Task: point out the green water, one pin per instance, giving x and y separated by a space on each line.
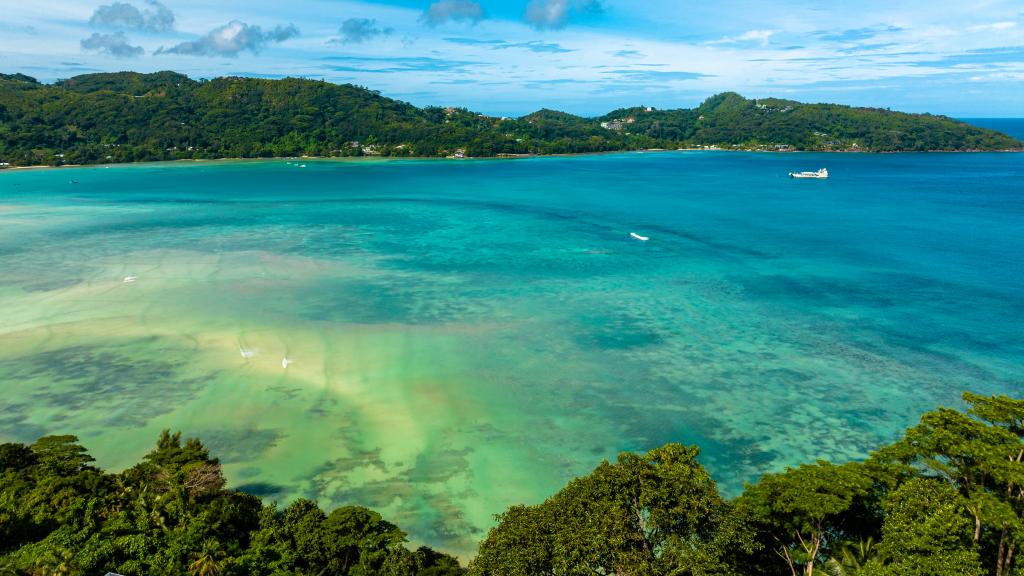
468 335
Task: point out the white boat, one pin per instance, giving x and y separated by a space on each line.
246 353
639 237
285 362
821 174
129 279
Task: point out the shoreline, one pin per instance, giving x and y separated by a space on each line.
358 159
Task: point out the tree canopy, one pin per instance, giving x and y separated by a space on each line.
128 116
170 515
945 499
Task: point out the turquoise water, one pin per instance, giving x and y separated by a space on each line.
467 335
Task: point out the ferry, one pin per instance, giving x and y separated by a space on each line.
823 173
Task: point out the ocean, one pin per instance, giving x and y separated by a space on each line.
461 336
1009 126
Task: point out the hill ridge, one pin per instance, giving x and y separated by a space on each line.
131 116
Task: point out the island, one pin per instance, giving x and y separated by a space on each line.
134 117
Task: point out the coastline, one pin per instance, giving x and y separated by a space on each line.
360 159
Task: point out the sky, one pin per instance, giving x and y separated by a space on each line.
510 57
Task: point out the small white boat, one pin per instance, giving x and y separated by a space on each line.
285 362
246 353
639 237
302 165
130 279
820 174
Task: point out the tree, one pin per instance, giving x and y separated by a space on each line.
358 540
430 562
170 515
1007 414
618 519
944 500
305 545
852 558
982 459
802 511
208 561
61 455
126 117
520 544
926 532
721 550
16 457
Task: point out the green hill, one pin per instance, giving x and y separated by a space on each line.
129 83
731 120
128 116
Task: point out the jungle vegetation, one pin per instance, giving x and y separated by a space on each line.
128 117
945 499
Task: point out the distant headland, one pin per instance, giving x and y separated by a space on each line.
134 117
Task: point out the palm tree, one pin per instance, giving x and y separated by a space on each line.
852 558
208 561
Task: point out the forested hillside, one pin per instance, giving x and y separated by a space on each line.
730 119
127 116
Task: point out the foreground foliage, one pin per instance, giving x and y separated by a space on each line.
947 499
170 515
126 117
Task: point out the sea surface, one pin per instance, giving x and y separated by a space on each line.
1009 126
467 335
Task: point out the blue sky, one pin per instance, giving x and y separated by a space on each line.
511 57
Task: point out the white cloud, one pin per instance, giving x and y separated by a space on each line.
155 18
994 27
112 45
359 30
769 51
231 39
996 76
761 37
553 14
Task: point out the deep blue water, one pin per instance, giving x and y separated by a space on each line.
1009 126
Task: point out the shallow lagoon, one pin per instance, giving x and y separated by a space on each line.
468 335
